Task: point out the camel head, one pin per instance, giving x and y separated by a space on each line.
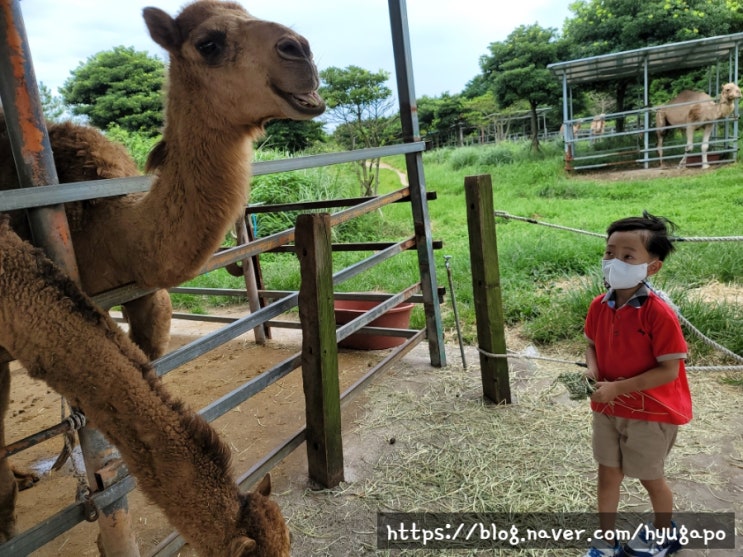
235 67
729 92
266 533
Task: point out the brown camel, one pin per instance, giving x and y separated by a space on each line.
229 74
696 110
575 128
597 127
62 338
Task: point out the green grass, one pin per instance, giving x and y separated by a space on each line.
548 276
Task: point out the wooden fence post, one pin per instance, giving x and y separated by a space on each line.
491 336
319 350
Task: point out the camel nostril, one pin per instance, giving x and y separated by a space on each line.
293 49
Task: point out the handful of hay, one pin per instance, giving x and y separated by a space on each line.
578 385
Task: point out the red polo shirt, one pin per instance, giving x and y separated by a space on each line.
631 340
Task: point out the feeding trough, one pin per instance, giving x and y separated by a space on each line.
396 318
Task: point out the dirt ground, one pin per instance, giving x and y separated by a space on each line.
342 521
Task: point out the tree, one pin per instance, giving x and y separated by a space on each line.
480 112
359 103
293 135
517 70
444 119
51 105
119 86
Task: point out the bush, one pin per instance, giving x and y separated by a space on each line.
139 145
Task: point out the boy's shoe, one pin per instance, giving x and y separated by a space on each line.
605 551
650 543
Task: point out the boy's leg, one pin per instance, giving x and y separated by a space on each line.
610 481
661 497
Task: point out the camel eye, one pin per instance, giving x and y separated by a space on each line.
211 47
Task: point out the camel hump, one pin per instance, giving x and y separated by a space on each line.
689 96
157 156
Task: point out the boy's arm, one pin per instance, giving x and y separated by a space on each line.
665 372
592 366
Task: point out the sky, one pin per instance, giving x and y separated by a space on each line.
447 37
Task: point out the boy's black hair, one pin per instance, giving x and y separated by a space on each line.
656 236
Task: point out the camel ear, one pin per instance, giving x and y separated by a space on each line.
264 486
242 546
163 29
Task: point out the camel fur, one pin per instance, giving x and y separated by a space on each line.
695 110
229 74
62 338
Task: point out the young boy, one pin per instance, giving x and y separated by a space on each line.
636 354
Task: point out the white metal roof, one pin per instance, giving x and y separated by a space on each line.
659 59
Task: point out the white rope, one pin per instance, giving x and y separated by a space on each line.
524 356
534 221
663 296
506 215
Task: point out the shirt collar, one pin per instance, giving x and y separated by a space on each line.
636 301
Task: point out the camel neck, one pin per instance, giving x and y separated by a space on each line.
200 188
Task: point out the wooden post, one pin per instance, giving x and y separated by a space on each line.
319 350
251 283
491 336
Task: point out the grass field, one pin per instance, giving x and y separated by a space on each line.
548 275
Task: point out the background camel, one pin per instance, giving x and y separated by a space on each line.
597 126
229 74
698 111
62 338
576 130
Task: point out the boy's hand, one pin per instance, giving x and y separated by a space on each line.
605 391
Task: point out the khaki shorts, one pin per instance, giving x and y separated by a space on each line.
638 447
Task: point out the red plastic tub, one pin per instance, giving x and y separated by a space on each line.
396 318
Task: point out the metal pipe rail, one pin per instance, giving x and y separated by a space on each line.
78 191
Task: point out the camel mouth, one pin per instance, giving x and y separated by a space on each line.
310 103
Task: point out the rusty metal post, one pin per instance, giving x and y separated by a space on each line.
33 157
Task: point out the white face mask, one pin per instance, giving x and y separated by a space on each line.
619 274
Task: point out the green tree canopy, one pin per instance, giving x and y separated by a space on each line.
604 26
517 70
359 103
293 135
119 86
443 118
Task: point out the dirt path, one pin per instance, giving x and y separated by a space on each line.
420 437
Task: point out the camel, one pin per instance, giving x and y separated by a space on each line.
62 338
697 111
229 74
576 130
597 126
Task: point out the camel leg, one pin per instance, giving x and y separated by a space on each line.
660 150
689 145
8 487
149 322
705 145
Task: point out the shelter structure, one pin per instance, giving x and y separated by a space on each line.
643 64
